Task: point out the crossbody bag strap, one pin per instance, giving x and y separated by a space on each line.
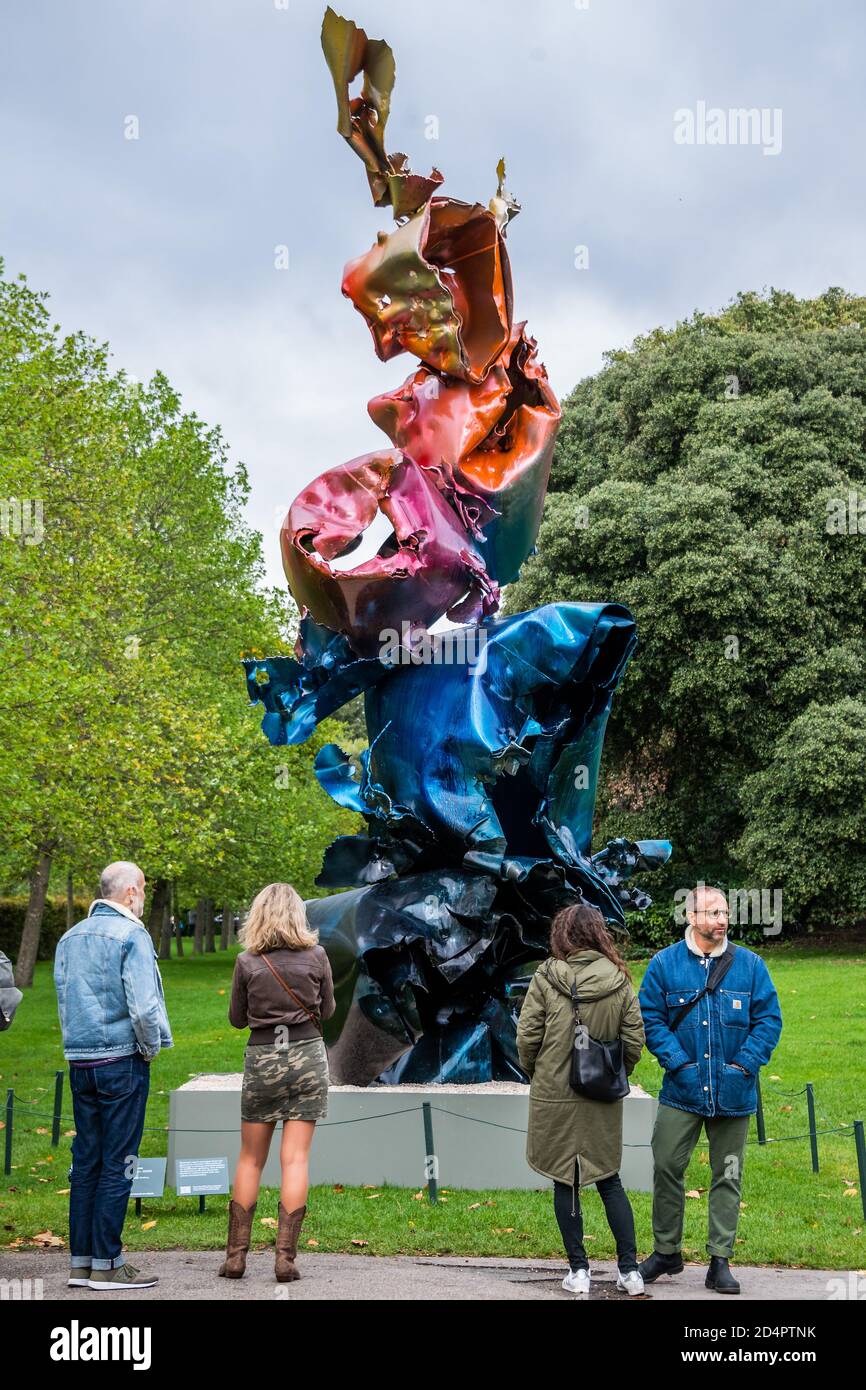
571 992
300 1003
719 970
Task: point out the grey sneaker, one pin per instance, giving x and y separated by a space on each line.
123 1277
79 1277
577 1281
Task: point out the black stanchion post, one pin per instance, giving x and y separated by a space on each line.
138 1206
759 1115
58 1106
430 1160
813 1136
7 1165
861 1160
201 1204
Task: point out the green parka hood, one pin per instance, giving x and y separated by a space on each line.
593 974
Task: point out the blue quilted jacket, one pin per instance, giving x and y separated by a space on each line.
739 1022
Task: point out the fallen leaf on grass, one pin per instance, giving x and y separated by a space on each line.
371 1196
268 1221
63 1191
695 1192
503 1230
338 1187
360 1242
46 1239
312 1242
148 1225
850 1192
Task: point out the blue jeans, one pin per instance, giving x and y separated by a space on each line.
108 1105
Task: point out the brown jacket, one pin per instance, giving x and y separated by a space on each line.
259 1003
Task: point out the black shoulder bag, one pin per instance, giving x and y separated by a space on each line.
597 1068
717 972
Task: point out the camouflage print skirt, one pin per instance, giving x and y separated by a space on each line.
285 1083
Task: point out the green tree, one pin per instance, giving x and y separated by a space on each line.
124 727
711 478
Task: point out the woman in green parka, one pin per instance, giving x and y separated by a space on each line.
573 1140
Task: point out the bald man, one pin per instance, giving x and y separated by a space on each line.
114 1023
712 1019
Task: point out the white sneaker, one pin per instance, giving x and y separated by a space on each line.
630 1283
577 1281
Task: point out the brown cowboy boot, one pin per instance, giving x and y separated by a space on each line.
238 1242
287 1244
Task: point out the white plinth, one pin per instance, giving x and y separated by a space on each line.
390 1148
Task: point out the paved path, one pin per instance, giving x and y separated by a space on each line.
190 1274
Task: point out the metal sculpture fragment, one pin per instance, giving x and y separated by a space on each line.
478 786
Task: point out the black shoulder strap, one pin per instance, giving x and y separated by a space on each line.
717 973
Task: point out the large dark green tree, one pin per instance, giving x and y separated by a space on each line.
713 479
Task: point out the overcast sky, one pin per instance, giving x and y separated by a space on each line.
165 245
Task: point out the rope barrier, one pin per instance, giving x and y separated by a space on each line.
847 1129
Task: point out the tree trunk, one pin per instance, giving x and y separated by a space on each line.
158 902
29 947
165 932
209 927
178 934
198 929
70 901
226 933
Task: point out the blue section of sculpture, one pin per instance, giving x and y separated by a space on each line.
478 789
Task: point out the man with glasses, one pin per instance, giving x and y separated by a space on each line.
712 1019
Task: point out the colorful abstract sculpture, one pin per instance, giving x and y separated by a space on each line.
478 786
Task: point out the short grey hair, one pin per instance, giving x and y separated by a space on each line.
116 878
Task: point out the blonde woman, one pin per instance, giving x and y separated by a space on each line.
281 990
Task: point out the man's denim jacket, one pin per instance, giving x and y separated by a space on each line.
109 989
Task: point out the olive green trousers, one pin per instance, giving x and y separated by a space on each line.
675 1135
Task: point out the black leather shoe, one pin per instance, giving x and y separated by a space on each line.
656 1264
719 1276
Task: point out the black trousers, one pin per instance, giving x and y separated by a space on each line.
617 1209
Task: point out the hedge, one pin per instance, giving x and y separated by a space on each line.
12 912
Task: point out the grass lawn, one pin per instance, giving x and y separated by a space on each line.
790 1216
